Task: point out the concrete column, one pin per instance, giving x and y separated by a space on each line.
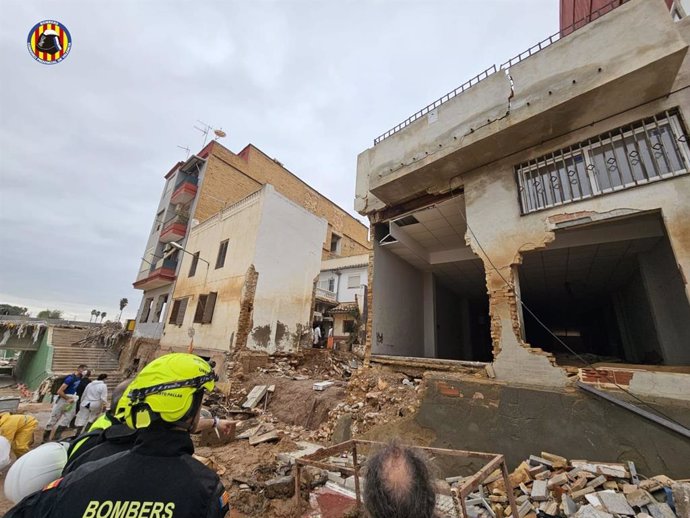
679 237
430 350
668 303
515 361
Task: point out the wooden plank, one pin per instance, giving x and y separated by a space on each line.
268 436
255 396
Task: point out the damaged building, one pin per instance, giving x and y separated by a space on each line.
544 203
250 280
233 214
341 298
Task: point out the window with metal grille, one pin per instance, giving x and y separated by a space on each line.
645 151
222 252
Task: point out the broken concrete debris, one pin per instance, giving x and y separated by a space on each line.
550 485
322 385
545 485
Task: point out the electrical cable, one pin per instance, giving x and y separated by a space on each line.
546 328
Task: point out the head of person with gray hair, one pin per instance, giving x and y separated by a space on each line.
117 393
398 484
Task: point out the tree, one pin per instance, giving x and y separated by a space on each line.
103 316
123 305
8 309
50 313
93 314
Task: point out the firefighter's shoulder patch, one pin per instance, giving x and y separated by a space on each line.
224 499
53 484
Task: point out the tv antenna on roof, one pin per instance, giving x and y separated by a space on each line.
206 128
185 149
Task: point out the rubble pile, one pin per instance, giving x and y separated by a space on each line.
107 335
375 396
334 365
550 485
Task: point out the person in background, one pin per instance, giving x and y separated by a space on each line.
64 407
158 476
18 429
85 381
93 403
398 484
316 335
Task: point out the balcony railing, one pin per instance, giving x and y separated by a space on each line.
505 66
166 264
184 191
162 273
326 295
174 231
186 178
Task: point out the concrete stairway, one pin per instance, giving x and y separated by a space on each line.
66 360
65 337
66 357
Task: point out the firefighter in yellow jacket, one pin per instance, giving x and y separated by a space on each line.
19 430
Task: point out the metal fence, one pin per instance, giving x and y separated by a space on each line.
511 62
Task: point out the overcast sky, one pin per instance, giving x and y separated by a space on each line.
84 144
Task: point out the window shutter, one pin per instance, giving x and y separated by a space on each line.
195 261
181 312
174 311
209 307
199 313
222 252
353 281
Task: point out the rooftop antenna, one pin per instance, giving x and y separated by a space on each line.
204 129
185 149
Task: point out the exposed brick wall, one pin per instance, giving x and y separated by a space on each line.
245 322
222 185
229 178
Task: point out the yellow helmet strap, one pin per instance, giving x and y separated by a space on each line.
142 416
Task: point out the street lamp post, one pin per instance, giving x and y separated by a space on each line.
179 247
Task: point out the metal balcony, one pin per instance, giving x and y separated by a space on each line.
161 274
626 57
173 231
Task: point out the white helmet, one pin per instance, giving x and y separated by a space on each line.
5 448
35 469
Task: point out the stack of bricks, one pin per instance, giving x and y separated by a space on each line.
551 486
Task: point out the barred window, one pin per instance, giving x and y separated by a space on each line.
645 151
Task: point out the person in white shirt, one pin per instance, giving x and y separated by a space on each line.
316 336
93 402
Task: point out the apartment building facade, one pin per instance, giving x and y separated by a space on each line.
541 209
341 294
248 279
202 186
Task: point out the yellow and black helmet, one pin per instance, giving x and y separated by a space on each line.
170 388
